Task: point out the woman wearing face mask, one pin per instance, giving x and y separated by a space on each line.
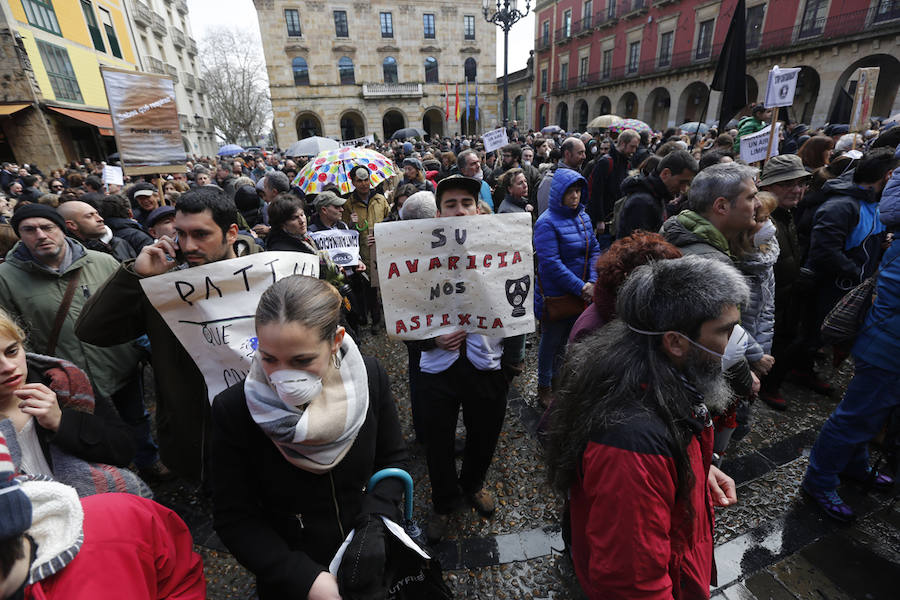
294 446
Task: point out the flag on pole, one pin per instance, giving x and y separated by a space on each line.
731 70
467 101
476 100
456 110
447 100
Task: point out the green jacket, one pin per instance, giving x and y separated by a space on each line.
119 311
32 293
693 234
746 126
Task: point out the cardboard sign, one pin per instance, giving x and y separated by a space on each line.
342 245
494 139
210 309
755 145
448 274
864 98
145 121
113 175
781 86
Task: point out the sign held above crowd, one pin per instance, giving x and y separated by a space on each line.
781 86
864 98
494 140
755 147
443 275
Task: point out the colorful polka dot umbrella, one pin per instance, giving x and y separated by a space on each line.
635 124
333 166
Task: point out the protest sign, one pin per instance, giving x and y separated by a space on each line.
145 121
494 139
754 146
448 274
864 98
210 309
342 245
113 175
368 139
781 86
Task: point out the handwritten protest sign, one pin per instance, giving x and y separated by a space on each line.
210 309
864 98
442 275
754 146
113 175
781 86
342 245
494 139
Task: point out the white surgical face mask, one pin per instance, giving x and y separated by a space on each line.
735 349
296 388
766 233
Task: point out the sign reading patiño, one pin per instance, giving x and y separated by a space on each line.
210 309
442 275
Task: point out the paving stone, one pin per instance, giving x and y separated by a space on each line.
765 587
805 581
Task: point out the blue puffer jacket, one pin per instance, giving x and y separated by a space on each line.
562 238
889 207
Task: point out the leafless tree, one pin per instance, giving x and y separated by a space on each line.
233 66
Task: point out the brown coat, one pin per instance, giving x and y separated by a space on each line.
375 211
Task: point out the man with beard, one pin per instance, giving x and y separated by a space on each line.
119 311
631 434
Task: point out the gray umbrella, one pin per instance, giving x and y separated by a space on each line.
311 146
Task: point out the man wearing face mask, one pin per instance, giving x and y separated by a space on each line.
469 165
633 421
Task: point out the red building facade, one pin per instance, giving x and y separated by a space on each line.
654 59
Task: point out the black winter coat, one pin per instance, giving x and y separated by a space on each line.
645 205
605 185
283 523
130 231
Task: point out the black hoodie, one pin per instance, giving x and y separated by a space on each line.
644 206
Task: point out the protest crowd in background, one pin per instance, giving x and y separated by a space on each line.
676 287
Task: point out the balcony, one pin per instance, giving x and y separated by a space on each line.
172 71
543 43
177 38
604 20
188 81
392 90
191 46
201 85
635 8
583 27
184 122
159 26
142 14
154 65
563 35
210 125
181 6
199 121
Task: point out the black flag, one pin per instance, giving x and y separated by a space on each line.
731 70
843 106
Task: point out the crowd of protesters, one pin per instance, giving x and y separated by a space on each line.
675 285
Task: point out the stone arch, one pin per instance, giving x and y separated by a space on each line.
656 108
806 96
562 115
353 124
691 102
392 120
308 124
888 82
433 121
627 106
581 116
602 106
752 89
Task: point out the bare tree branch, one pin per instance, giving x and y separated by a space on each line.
238 91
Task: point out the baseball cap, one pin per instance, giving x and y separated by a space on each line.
158 214
328 198
458 182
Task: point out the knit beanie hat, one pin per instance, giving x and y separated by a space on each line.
15 507
29 211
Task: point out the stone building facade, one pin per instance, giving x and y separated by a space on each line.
654 59
345 69
521 95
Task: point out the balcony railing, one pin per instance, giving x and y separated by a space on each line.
392 90
633 8
835 26
543 43
201 85
177 38
188 81
155 65
142 14
172 71
159 26
191 46
184 122
181 6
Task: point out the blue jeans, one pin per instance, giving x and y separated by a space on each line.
554 335
842 444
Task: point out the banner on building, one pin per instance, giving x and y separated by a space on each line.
365 140
210 309
754 146
342 245
448 274
864 99
145 121
781 86
494 139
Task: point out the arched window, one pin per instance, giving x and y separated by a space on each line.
301 71
520 108
345 69
431 70
471 69
389 66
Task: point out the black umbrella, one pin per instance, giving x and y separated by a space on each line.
402 134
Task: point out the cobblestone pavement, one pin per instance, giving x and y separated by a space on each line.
772 544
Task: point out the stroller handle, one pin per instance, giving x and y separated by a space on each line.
402 475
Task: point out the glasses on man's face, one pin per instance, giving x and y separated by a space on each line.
32 229
56 187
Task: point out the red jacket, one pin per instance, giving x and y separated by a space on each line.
629 539
133 548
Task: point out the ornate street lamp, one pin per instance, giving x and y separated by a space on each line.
504 14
